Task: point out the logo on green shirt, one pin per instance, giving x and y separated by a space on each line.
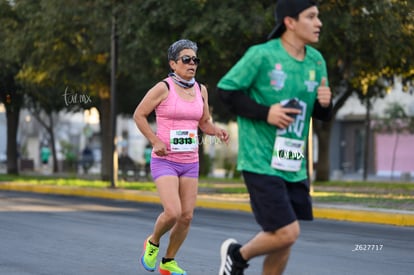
277 77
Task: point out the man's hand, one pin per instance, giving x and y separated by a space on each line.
324 94
279 116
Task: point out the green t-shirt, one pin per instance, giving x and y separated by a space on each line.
269 75
147 154
44 154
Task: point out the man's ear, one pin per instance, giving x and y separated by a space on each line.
289 23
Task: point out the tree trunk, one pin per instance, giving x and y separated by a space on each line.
50 127
323 132
106 140
394 154
366 143
13 114
114 61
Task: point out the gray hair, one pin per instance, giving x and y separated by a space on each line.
175 49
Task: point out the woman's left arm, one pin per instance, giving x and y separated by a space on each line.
206 125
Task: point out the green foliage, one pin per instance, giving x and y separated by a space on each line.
10 93
69 45
61 47
365 43
222 29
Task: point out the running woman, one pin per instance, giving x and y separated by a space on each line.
181 106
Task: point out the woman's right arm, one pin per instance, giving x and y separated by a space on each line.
147 105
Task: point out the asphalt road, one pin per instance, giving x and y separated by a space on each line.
48 234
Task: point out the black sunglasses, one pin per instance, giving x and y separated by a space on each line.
186 59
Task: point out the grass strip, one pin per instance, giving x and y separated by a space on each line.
394 195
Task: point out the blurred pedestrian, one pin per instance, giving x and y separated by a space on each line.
44 157
87 159
147 157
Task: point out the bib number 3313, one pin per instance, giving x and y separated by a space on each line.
183 140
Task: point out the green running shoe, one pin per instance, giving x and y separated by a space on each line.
149 256
171 268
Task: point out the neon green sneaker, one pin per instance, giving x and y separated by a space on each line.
149 256
171 268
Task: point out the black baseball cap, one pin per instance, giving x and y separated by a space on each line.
289 8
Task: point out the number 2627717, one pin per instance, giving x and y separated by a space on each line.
368 247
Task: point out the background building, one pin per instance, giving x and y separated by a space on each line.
390 155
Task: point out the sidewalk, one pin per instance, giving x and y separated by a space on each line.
226 202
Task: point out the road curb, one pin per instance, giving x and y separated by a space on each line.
398 218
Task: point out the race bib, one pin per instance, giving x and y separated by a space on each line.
183 140
288 154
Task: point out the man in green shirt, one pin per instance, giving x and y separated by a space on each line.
275 89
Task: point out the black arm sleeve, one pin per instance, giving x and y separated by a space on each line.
321 113
242 105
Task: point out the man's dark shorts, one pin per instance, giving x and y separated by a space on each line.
276 202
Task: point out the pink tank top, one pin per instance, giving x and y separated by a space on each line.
177 123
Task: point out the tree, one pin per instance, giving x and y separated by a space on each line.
10 93
365 43
69 46
11 97
70 52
